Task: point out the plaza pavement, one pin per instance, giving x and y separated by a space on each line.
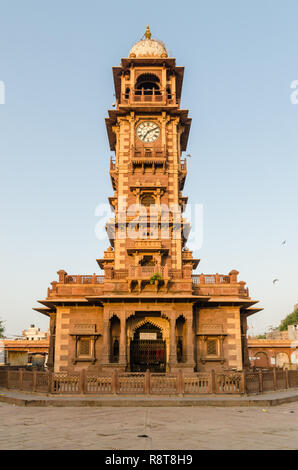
149 428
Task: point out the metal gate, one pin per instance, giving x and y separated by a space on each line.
147 349
148 354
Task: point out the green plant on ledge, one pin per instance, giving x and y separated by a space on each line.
155 277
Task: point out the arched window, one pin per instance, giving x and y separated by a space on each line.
148 260
147 82
148 200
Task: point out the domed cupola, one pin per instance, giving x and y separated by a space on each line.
148 47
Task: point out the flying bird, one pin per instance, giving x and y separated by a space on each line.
275 281
284 242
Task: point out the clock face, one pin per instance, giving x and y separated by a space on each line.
148 131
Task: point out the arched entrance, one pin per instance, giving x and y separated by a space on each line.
148 349
261 360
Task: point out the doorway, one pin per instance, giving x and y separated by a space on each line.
148 349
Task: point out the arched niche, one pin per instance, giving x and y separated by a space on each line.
114 339
180 330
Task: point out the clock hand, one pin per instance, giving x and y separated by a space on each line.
147 133
150 130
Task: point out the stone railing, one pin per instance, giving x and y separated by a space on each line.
213 284
81 279
145 272
147 96
69 284
147 383
210 279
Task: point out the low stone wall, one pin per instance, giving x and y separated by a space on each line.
149 383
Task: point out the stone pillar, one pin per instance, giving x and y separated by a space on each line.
173 346
105 357
122 344
190 342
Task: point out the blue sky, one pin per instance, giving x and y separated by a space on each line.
56 62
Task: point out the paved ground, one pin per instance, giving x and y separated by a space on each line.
167 428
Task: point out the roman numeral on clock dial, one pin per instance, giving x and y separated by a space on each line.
148 131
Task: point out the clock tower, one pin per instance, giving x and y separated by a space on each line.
149 310
148 132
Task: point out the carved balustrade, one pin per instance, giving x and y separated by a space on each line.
180 383
135 97
145 272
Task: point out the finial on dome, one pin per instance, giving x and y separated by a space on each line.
148 47
148 32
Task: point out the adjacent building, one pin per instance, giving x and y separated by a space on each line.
278 349
33 333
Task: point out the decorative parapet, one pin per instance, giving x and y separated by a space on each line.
210 279
214 284
69 284
87 279
146 245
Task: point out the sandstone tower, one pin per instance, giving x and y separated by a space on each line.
148 310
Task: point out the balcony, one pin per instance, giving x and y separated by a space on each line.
156 153
144 156
144 97
145 272
140 277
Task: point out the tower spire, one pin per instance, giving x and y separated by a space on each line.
148 32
